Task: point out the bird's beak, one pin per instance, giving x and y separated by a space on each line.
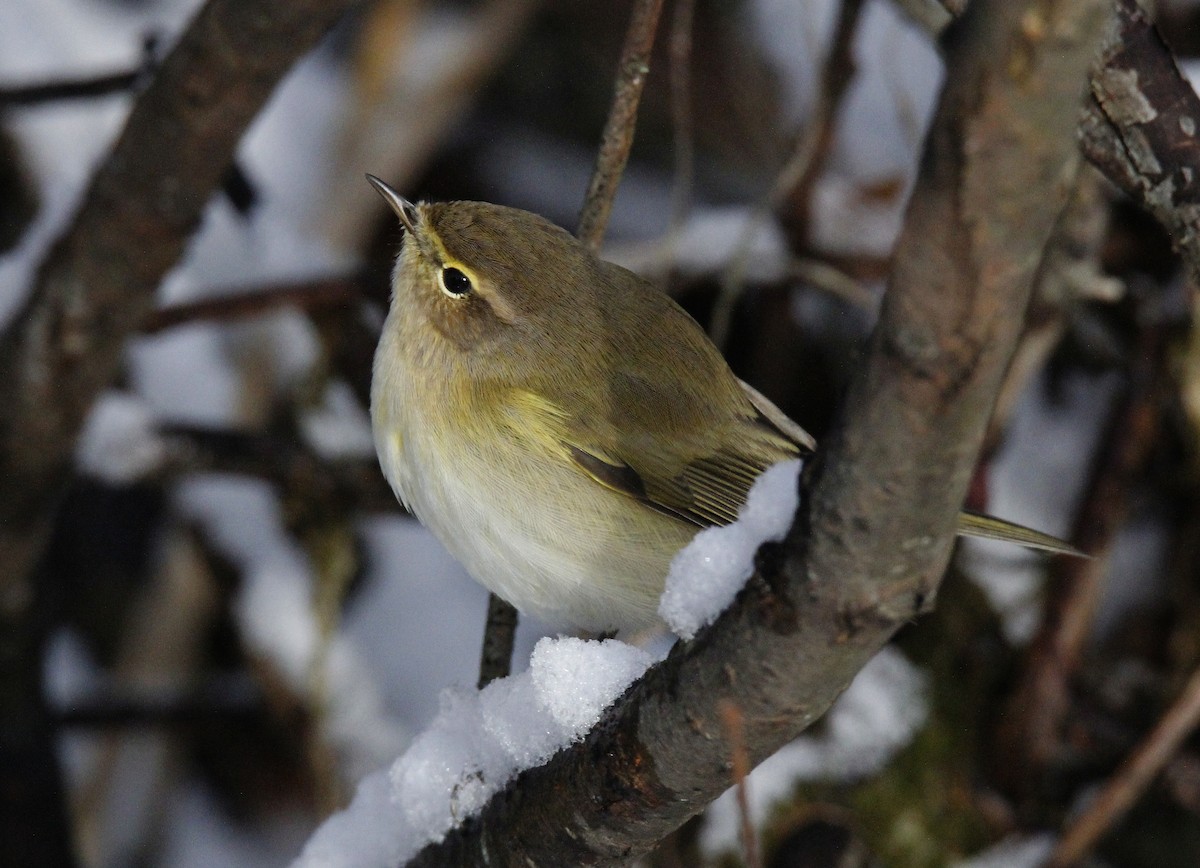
405 210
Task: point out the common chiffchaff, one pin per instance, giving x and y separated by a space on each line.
560 424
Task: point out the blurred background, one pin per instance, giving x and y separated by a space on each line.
245 622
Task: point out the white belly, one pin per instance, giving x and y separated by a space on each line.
530 527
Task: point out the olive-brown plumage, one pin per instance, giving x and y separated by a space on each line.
559 424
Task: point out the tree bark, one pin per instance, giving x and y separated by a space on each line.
64 346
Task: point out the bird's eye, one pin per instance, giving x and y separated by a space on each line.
455 283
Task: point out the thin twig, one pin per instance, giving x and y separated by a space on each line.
495 660
80 88
615 143
834 281
679 47
309 295
797 177
731 719
84 87
617 138
680 51
1030 735
1131 779
220 700
349 483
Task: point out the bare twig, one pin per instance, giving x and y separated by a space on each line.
1131 779
615 143
795 181
834 281
84 87
1030 736
80 88
330 292
680 48
495 660
219 700
617 138
731 718
872 537
349 484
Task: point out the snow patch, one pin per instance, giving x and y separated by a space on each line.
119 443
709 571
479 741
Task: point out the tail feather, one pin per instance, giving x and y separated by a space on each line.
988 527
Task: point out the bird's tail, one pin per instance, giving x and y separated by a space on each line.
987 527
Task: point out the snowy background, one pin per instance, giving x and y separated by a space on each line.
331 644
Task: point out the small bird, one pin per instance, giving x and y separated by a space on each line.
560 424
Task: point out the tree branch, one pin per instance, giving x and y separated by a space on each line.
97 282
65 345
1140 128
1131 779
870 543
1031 732
617 138
501 624
83 87
229 307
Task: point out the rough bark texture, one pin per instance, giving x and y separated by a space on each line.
64 346
871 540
1140 128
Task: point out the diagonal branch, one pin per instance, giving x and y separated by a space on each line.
617 138
1131 779
97 282
869 544
64 346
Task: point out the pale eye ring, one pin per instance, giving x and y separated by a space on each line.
454 282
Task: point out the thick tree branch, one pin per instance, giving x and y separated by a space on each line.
96 285
871 540
92 291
